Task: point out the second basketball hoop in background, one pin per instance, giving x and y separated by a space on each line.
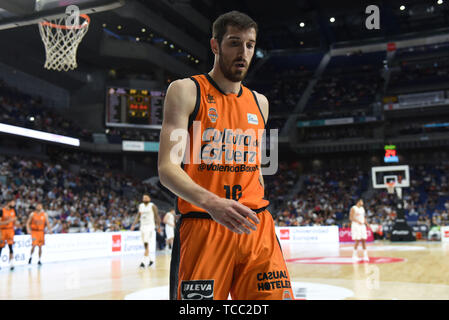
61 40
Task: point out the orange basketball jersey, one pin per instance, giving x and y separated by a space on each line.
38 221
223 155
8 214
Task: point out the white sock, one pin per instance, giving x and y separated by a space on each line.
365 253
146 259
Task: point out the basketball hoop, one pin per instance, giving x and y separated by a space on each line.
61 42
390 187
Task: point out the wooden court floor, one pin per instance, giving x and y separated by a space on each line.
419 271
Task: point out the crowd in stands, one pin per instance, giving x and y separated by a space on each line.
117 135
421 72
324 198
79 192
407 127
82 194
336 133
19 109
286 88
343 88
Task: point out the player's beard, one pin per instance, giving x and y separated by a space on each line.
226 68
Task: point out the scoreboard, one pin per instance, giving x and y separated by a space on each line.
134 108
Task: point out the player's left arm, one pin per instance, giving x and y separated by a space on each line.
157 219
28 224
47 221
264 108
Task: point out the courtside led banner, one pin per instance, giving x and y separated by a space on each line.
444 234
75 246
140 146
35 134
309 235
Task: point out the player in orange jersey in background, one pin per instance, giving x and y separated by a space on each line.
36 227
7 220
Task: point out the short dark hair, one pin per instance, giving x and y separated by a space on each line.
233 18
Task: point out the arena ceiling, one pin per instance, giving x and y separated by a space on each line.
284 25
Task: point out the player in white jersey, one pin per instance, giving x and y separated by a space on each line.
358 229
169 220
149 220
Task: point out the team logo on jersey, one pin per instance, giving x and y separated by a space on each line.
197 290
212 114
210 98
286 295
252 118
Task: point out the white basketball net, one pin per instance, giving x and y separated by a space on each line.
61 43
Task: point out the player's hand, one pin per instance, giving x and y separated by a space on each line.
233 215
132 228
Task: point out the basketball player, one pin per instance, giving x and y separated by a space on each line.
358 229
169 220
35 226
8 218
149 219
225 241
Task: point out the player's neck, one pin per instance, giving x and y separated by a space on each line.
226 85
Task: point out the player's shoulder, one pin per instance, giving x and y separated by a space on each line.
181 97
262 99
182 86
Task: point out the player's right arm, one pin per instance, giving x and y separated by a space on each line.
135 221
30 217
352 216
179 104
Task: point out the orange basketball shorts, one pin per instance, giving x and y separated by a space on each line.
210 261
37 237
7 237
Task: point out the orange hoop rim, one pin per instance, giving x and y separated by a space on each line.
60 26
390 186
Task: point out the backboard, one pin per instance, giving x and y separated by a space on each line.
382 175
19 13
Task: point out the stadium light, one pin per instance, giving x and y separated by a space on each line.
302 24
332 19
402 8
41 135
440 1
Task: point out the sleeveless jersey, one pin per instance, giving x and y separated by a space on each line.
359 214
223 153
8 214
38 221
146 215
